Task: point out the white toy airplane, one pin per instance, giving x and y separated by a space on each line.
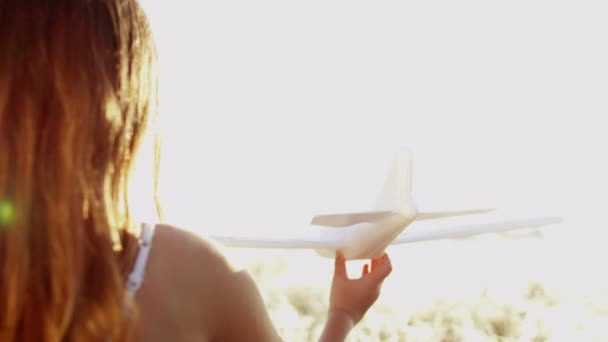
365 235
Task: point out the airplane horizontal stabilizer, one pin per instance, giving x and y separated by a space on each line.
343 220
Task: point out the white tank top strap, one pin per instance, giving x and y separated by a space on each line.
136 276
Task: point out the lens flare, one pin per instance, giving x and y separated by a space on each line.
7 213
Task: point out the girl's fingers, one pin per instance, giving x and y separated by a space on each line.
365 270
375 263
340 265
383 268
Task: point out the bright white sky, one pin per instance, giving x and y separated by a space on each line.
278 110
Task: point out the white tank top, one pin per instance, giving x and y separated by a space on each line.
136 277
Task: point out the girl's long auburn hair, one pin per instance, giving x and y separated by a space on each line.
77 87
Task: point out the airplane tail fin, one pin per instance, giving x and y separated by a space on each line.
432 215
397 192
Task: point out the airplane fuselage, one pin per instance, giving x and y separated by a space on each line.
367 240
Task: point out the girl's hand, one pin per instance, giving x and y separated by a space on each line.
354 296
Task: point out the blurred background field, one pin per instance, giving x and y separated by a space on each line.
490 288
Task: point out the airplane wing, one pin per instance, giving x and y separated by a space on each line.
432 215
306 242
337 241
343 220
423 234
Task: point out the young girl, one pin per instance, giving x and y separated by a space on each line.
77 92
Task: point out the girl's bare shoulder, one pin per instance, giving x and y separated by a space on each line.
198 284
187 283
193 250
191 259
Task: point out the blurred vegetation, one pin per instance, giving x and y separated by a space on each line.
297 296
